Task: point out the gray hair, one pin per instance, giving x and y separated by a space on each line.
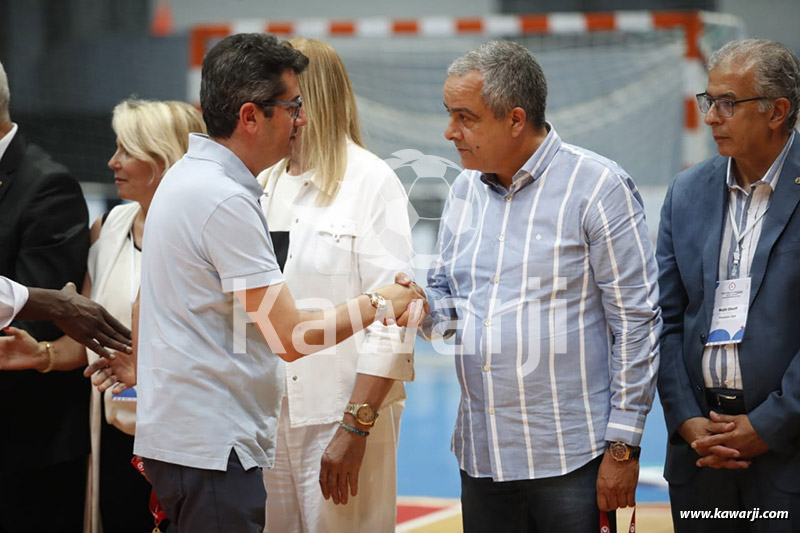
777 70
511 78
5 96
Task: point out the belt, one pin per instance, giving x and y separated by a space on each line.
726 401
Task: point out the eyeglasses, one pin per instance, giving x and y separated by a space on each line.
724 105
297 104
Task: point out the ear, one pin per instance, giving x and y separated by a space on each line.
780 113
519 120
248 117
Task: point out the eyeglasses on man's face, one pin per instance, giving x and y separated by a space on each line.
297 104
724 105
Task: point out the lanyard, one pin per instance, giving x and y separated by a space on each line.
739 237
605 526
159 514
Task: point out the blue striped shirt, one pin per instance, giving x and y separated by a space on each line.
550 288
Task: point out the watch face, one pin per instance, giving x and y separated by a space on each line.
366 414
618 451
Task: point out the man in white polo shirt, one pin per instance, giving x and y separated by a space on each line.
207 413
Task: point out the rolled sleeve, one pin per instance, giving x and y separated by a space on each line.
13 298
386 355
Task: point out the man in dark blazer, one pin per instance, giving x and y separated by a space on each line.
733 409
44 418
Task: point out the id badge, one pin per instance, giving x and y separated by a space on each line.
128 395
731 303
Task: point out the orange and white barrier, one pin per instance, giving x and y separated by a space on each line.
692 23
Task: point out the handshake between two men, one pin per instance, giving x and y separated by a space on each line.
293 333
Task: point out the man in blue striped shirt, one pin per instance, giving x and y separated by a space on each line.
547 277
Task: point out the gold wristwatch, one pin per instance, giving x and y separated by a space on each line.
379 303
363 412
622 452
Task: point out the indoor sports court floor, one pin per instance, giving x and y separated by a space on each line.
428 480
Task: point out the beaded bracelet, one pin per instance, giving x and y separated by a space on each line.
351 429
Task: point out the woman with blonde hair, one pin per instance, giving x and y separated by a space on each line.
339 221
151 137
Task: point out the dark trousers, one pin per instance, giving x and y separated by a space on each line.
124 492
733 490
210 501
43 500
562 503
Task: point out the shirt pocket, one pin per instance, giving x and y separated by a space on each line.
335 246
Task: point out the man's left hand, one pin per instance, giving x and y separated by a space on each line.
341 463
616 483
743 438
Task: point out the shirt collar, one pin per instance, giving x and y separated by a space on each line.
6 140
533 168
203 147
772 175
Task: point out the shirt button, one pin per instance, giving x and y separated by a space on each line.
485 368
305 184
496 279
290 256
294 378
502 237
491 410
509 197
266 194
487 323
297 220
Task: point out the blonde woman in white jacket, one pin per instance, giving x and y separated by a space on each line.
339 221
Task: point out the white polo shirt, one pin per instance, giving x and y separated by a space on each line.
197 398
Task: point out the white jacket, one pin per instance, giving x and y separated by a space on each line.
355 244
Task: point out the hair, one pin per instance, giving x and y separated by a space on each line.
511 78
5 96
776 67
241 68
330 106
156 132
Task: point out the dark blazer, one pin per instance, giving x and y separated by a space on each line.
688 257
44 242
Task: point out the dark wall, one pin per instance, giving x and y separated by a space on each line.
69 62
